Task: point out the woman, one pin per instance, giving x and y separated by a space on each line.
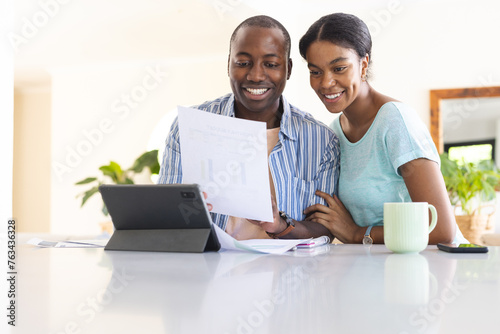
387 154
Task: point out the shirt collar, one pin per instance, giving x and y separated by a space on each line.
287 127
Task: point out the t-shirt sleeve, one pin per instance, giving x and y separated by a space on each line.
407 138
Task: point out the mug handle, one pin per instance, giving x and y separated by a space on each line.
434 217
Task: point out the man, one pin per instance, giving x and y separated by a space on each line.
303 153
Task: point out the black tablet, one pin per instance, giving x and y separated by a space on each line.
160 217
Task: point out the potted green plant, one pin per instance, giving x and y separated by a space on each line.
113 173
471 187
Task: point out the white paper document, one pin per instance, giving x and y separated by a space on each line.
99 243
227 157
269 246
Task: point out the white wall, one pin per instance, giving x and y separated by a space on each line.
425 45
418 46
109 113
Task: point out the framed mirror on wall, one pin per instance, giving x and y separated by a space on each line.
466 121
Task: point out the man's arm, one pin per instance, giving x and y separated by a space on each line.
305 229
327 181
302 230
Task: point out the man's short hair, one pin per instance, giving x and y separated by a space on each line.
263 21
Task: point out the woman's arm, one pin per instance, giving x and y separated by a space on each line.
425 183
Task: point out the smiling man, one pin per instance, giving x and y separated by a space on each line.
303 153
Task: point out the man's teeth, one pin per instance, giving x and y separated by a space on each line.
257 91
333 96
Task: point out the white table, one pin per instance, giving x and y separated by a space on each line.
342 289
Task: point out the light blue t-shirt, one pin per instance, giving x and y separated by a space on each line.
369 168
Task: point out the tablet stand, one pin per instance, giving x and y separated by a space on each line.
165 240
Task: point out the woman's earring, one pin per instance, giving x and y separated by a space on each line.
363 78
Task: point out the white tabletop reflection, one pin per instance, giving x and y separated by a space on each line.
333 289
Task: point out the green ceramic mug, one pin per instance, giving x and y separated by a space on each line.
406 226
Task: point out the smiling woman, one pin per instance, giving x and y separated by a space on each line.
387 153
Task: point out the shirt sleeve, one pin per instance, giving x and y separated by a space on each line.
407 138
171 168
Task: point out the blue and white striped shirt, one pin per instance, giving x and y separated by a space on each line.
306 158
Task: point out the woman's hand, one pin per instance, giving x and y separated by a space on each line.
335 218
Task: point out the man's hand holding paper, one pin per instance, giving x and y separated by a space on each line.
273 226
227 157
